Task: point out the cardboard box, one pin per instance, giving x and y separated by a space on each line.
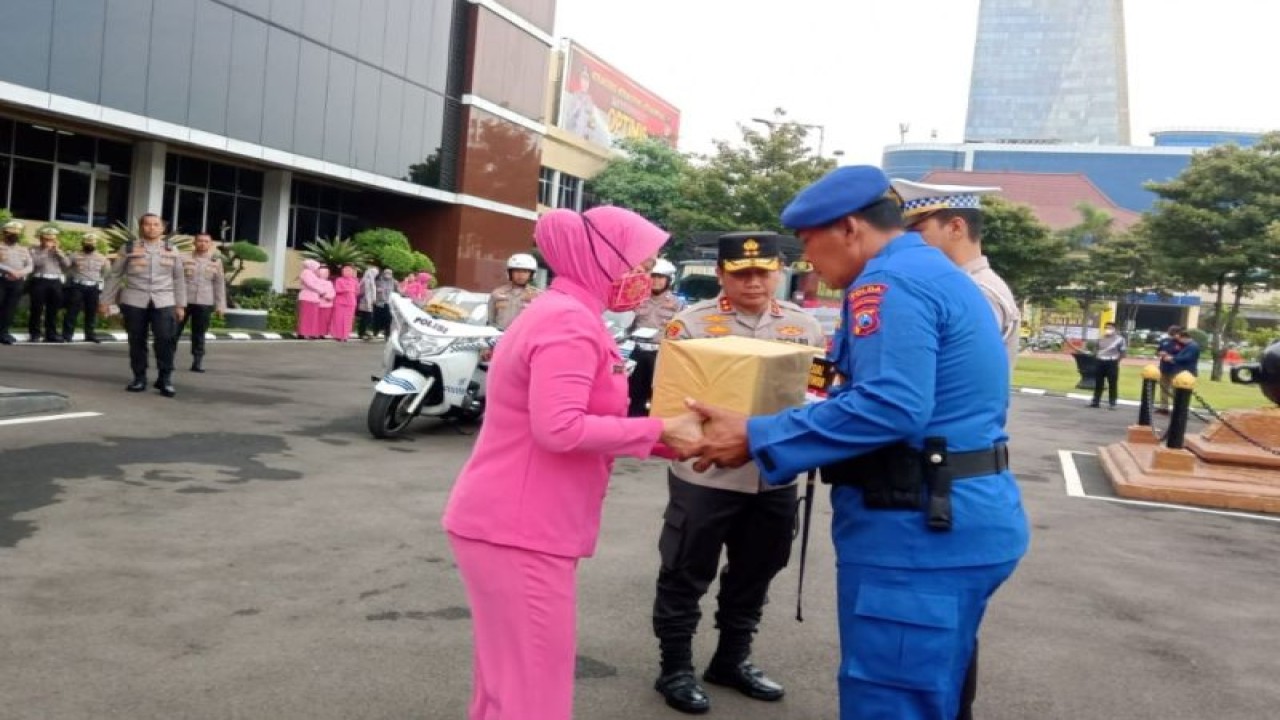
756 377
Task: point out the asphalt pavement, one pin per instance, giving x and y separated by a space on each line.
246 550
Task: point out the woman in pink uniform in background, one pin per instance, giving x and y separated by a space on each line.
326 302
309 301
526 506
345 288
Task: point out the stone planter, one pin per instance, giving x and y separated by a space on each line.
238 318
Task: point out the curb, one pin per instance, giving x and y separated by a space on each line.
1073 396
16 401
108 336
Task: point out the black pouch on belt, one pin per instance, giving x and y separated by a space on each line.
937 476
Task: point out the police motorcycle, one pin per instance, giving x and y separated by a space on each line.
433 362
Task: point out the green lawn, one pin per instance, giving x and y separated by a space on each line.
1061 376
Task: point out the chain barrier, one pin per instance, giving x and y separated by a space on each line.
1227 424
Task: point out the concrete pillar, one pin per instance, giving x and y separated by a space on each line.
146 182
1192 317
273 236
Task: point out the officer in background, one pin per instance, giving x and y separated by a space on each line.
148 284
508 299
927 518
206 295
15 265
726 509
84 286
653 314
45 287
949 217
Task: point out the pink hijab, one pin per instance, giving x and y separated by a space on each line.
578 249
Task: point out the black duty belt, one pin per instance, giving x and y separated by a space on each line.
899 477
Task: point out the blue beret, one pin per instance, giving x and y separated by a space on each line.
843 191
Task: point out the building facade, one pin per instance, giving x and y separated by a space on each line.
280 121
1047 70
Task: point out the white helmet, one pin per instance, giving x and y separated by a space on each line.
522 261
664 267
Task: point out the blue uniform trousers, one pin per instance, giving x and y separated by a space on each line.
907 635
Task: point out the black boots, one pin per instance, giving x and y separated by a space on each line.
165 386
138 385
746 678
196 363
682 691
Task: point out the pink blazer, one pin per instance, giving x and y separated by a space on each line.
344 289
555 419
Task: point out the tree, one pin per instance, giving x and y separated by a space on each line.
235 255
1023 250
389 248
741 186
1126 264
1212 226
745 186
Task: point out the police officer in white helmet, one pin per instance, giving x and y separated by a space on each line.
507 300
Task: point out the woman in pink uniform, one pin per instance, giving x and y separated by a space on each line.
526 506
309 301
345 288
326 302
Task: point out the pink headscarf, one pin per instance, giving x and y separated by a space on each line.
584 257
425 279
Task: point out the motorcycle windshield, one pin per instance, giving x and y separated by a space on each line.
412 318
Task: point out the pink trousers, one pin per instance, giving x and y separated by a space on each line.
523 611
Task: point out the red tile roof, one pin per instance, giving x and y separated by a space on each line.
1053 197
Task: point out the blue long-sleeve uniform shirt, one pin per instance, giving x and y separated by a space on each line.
922 357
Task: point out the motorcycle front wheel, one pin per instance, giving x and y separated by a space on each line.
388 416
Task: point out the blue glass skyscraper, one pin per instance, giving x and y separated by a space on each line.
1049 71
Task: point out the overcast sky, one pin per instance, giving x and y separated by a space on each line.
861 67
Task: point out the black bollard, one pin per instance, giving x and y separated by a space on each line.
1178 422
1144 407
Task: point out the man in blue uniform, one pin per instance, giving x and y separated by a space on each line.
927 520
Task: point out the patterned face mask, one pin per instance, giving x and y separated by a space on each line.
627 292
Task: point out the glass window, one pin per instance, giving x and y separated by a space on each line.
222 177
250 183
170 197
327 225
304 228
77 49
35 141
190 215
417 57
124 55
547 187
248 59
211 68
305 193
570 192
117 203
5 166
30 197
248 219
116 157
220 215
74 149
412 118
73 196
168 74
193 171
345 36
6 136
289 13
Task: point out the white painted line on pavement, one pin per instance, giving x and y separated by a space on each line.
47 418
1032 391
238 336
271 336
1076 489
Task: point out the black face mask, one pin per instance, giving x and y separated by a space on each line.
10 239
88 248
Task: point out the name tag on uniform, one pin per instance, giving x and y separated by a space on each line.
822 373
620 368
